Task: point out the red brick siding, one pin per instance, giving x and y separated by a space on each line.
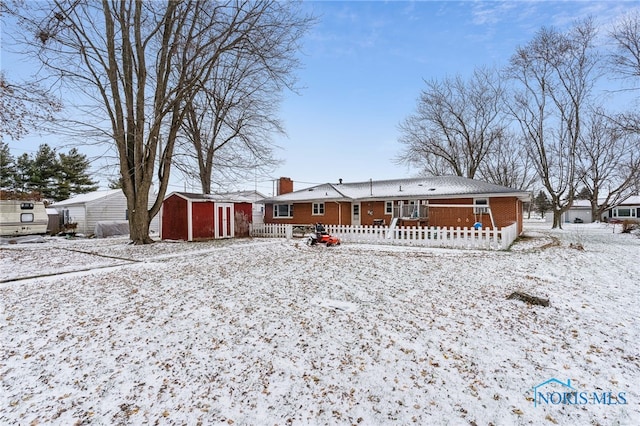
506 210
285 185
302 213
373 210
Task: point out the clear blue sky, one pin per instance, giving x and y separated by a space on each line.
364 65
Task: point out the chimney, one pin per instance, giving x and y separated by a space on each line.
285 185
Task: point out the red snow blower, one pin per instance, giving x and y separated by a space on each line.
320 235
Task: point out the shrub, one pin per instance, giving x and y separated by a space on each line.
629 225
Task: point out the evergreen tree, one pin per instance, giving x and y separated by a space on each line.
584 194
44 171
543 204
23 170
51 175
115 183
7 167
73 177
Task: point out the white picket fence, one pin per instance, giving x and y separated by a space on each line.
271 230
488 238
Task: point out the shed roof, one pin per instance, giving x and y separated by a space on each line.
231 197
87 198
418 188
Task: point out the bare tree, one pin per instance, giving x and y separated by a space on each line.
508 165
24 106
232 117
456 126
625 61
137 63
626 37
554 76
609 162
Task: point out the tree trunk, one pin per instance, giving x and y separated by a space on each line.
139 220
557 218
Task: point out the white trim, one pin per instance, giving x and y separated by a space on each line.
318 204
189 221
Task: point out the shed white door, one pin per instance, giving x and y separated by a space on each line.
224 223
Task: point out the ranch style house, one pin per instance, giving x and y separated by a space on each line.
441 201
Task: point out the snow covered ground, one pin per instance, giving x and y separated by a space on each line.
270 331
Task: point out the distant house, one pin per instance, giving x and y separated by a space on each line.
580 211
87 210
450 201
629 209
195 217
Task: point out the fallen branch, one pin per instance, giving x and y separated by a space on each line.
527 298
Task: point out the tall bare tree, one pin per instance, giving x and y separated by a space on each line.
233 116
24 106
609 162
625 60
217 121
456 126
626 37
508 165
137 63
554 76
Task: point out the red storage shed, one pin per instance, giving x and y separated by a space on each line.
196 217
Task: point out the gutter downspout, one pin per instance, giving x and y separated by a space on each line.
339 212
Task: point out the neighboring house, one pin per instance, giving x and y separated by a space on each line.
194 217
450 201
580 211
629 209
99 206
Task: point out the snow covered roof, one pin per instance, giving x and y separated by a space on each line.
633 200
581 204
422 188
85 198
235 197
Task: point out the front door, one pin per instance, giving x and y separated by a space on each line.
355 214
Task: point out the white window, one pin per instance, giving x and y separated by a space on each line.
624 212
318 209
480 202
26 217
283 210
388 207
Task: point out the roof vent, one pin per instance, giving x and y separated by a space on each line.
432 189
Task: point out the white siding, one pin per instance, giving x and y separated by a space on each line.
76 215
110 208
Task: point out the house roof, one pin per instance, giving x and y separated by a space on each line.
235 197
633 200
86 198
417 188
